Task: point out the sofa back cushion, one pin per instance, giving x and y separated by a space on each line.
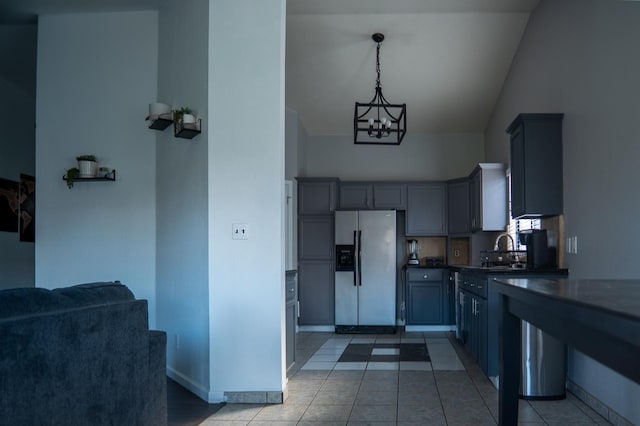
28 301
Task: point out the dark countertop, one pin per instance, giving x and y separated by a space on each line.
598 317
615 296
502 270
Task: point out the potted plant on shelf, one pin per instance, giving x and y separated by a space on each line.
87 166
72 174
184 115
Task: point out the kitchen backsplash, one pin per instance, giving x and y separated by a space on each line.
428 247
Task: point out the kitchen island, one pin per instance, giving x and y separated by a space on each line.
477 313
600 318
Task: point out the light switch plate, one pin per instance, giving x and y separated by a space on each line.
240 231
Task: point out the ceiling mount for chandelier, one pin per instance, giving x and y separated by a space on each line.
379 122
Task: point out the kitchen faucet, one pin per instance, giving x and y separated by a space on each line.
505 234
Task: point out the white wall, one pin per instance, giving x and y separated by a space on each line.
96 74
418 157
246 185
17 144
579 57
181 176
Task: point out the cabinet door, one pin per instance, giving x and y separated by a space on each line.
315 237
426 209
315 289
517 171
488 197
425 303
356 196
536 165
291 318
458 206
480 331
390 196
316 196
449 299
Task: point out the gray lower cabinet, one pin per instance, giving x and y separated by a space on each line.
425 296
479 315
426 209
474 318
316 292
291 319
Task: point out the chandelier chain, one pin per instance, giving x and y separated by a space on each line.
378 65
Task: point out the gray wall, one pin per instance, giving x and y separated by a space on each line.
419 156
580 57
17 143
96 75
182 284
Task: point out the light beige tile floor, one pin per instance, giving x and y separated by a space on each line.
454 392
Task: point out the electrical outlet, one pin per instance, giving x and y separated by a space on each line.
240 231
456 253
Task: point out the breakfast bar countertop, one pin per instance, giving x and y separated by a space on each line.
621 297
599 317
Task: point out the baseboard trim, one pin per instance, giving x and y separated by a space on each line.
423 328
193 387
317 328
596 405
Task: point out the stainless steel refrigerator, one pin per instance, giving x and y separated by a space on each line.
365 277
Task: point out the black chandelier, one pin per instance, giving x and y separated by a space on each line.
379 122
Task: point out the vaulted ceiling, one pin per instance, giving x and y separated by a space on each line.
446 59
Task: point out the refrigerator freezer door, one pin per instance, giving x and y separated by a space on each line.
346 290
377 289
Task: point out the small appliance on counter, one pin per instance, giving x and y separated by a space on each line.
413 253
539 254
434 262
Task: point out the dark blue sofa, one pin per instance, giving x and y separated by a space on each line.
81 355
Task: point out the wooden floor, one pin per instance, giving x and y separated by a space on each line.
186 409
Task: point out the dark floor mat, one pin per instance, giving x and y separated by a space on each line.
363 352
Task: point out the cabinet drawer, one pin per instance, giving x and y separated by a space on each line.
475 285
424 274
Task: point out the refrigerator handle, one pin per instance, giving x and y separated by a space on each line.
355 269
360 258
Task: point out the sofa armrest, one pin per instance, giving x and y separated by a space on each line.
155 412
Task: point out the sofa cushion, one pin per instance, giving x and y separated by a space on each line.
28 301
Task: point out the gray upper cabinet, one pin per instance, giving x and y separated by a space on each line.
390 196
536 165
356 196
488 197
317 195
373 195
426 209
458 206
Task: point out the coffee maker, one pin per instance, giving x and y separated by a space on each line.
539 254
413 253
